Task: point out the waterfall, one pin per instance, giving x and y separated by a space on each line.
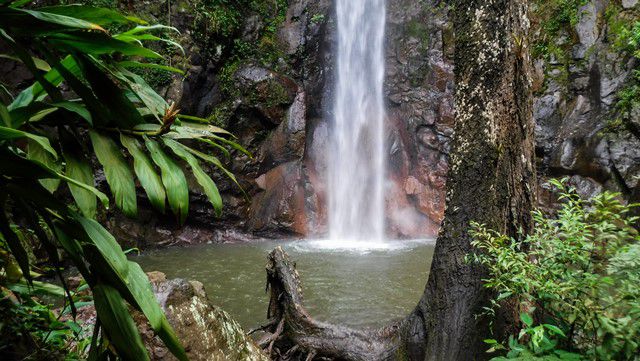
356 169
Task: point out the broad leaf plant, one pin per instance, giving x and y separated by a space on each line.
88 103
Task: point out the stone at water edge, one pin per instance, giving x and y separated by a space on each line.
205 330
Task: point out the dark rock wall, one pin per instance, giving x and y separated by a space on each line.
576 105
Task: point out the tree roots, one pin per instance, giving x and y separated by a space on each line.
292 334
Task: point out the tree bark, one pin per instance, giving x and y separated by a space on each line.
491 181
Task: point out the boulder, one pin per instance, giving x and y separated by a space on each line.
206 331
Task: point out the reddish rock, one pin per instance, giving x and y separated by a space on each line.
280 207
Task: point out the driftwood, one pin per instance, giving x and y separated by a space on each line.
294 331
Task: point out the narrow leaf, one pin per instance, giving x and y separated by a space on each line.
526 319
137 64
215 161
36 90
36 152
98 44
15 245
207 184
96 15
80 170
143 167
173 179
118 323
117 172
121 109
144 299
32 22
77 108
145 28
10 133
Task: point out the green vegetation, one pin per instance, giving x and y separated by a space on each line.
30 324
418 29
48 137
554 16
624 34
574 280
219 23
317 18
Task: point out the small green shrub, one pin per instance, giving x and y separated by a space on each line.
31 324
576 279
317 18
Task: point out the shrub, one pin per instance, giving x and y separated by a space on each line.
576 279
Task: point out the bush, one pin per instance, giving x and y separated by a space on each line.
575 278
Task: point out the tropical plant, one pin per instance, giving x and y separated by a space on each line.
31 328
576 278
87 101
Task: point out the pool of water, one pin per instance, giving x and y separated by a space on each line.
348 284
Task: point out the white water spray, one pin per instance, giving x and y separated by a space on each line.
357 153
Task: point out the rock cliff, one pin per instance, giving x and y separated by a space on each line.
264 70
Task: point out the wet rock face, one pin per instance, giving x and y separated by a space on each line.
576 101
419 89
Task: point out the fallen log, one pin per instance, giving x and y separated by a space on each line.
292 326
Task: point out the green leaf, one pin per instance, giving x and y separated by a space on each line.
173 179
215 161
200 130
152 100
95 15
118 323
145 300
36 152
98 44
5 116
130 280
147 37
526 319
203 179
117 172
37 287
121 110
80 170
39 63
143 28
33 112
36 91
24 20
109 250
77 108
15 245
137 64
10 133
37 110
554 329
143 167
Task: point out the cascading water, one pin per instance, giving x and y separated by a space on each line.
357 154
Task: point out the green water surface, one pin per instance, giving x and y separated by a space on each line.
355 287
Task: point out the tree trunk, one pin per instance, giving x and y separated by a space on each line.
491 181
